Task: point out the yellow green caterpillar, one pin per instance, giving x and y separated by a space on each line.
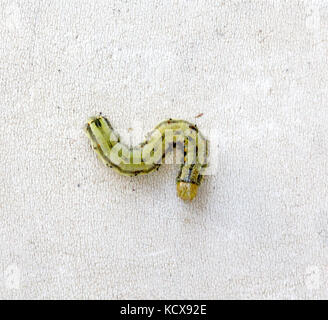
150 154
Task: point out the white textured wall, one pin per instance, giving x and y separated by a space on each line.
70 228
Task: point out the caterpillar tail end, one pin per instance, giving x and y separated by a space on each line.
186 191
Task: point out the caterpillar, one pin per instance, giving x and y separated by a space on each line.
150 154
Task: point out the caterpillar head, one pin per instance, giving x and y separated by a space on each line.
186 191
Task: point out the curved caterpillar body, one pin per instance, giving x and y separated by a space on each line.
150 154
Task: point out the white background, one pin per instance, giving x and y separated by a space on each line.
257 70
